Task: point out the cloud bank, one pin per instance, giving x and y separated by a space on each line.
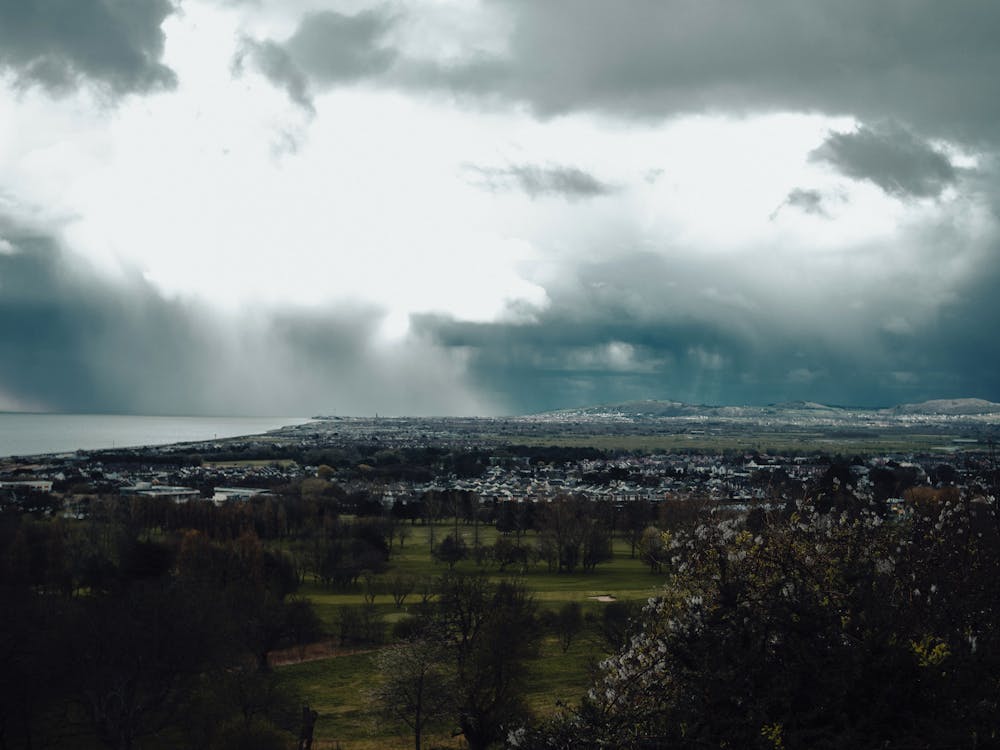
499 206
648 58
72 340
62 44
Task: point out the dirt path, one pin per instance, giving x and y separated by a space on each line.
312 652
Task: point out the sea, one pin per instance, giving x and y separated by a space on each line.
32 434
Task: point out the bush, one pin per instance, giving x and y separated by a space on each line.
360 626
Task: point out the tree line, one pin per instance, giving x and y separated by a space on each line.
110 636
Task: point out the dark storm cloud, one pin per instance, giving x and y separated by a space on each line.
920 62
327 48
890 157
535 180
638 326
561 362
929 64
61 43
964 356
644 327
337 48
73 341
276 64
65 342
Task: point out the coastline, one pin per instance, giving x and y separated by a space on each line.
42 434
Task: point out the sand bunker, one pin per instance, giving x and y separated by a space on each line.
603 598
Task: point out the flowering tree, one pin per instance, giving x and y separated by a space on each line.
843 628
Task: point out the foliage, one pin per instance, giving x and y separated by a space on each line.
653 548
360 626
451 550
846 628
574 532
109 638
568 623
492 632
469 655
508 552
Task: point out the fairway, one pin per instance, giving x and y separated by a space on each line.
337 686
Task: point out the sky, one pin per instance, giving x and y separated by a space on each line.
491 207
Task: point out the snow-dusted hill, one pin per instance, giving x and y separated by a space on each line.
793 411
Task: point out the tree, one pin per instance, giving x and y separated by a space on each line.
506 520
360 625
432 505
451 550
240 707
653 547
401 585
568 623
596 542
302 624
416 686
372 587
490 631
308 727
507 552
573 532
820 630
403 532
638 516
34 651
137 656
616 624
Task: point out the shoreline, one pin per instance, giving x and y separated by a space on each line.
40 435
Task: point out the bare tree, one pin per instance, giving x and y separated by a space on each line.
401 586
433 507
416 686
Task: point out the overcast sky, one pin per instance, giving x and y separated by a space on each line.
496 206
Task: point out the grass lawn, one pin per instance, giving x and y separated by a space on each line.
622 577
338 689
337 686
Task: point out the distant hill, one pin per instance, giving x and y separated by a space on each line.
955 406
655 409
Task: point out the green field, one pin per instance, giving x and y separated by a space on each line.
337 686
250 463
778 442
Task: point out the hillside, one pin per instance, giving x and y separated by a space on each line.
792 411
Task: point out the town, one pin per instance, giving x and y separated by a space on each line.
390 466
